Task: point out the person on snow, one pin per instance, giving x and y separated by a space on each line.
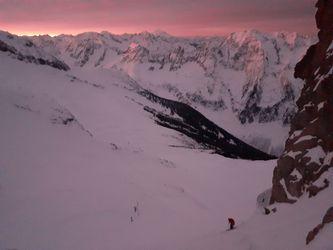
231 223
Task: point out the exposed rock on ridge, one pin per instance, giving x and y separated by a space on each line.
308 153
328 218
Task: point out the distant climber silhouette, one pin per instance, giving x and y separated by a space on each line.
231 223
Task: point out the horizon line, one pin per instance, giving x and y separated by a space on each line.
51 34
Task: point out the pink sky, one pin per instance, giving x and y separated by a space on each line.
177 17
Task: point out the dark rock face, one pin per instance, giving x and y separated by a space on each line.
308 151
328 218
183 118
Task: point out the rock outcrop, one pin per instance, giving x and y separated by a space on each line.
308 153
328 218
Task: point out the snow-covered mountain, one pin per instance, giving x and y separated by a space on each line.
24 49
85 164
243 82
188 121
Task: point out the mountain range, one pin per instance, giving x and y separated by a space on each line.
242 82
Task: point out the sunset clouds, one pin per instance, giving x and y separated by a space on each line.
179 17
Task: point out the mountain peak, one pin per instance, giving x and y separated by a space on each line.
159 32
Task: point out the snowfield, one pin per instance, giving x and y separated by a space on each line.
83 166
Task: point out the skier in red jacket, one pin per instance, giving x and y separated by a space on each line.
231 223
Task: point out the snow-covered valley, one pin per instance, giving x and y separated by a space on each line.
84 166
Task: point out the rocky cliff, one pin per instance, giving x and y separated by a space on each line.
308 153
305 168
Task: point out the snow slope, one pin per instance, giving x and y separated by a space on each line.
286 229
76 159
